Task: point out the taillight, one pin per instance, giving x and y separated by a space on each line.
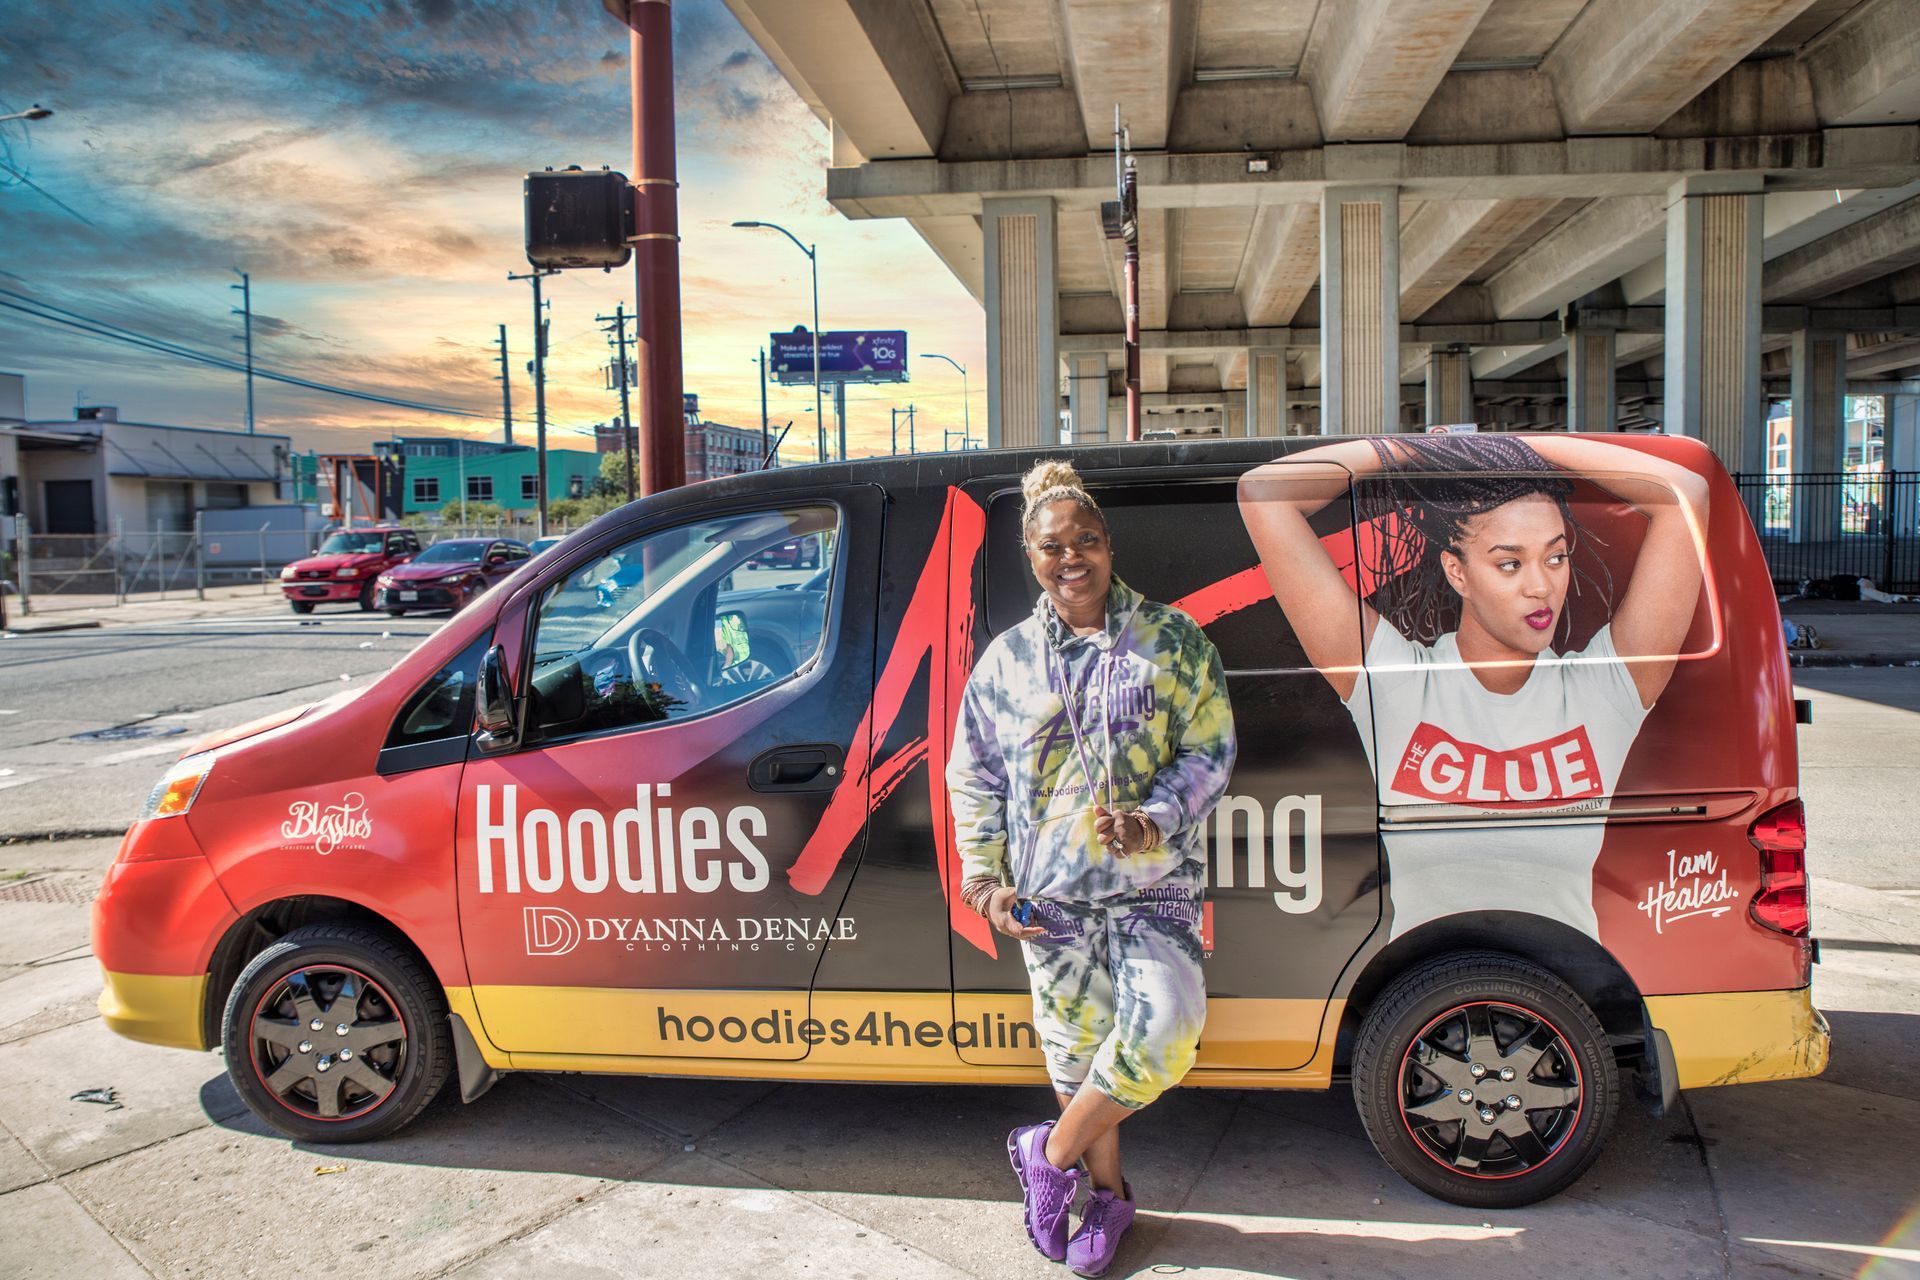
1780 835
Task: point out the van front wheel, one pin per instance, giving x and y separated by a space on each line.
1484 1080
337 1033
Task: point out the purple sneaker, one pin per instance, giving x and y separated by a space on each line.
1049 1192
1102 1227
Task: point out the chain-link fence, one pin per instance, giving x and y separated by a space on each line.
51 572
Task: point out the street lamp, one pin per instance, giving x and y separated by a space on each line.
966 410
34 112
813 260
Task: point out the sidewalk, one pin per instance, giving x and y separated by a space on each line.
1857 633
76 612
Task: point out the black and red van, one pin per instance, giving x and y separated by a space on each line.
623 815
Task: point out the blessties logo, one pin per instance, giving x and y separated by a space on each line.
328 826
556 931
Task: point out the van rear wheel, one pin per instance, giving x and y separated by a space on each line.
337 1033
1484 1080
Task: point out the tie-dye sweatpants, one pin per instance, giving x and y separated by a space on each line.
1118 994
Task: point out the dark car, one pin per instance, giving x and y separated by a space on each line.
449 574
346 567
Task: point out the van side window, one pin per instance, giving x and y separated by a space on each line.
681 622
1171 540
433 724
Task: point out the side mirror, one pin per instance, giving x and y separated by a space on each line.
496 559
494 703
730 639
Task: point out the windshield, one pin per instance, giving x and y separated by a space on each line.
352 544
451 552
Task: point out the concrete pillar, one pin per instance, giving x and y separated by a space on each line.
1449 384
1590 394
1087 394
1713 323
1819 389
1903 455
1360 310
1266 413
1022 319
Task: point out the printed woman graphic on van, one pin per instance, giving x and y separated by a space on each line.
1093 741
1469 556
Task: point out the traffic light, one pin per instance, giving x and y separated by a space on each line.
578 218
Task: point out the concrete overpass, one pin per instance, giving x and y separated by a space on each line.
1367 214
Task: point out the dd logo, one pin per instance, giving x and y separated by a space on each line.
551 931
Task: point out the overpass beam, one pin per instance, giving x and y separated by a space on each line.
1819 389
1022 308
1374 63
1266 391
1591 356
1360 309
1449 384
1626 66
1713 323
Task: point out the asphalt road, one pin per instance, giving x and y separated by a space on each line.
580 1175
148 690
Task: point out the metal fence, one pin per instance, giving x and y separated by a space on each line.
1816 525
51 572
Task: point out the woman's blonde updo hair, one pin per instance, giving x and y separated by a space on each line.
1050 482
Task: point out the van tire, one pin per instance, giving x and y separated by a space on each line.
1419 1044
374 1093
366 597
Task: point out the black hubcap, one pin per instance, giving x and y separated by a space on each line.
1490 1090
328 1043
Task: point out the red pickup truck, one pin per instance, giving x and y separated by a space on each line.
344 568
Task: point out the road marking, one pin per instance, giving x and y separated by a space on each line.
1865 1250
1411 1232
172 745
15 782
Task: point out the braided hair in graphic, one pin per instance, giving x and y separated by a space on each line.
1429 489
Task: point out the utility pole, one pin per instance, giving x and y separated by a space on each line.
893 428
619 320
910 444
1121 221
506 392
245 311
763 402
539 396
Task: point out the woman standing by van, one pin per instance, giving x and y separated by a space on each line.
1468 556
1093 741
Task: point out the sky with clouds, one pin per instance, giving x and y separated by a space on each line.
363 162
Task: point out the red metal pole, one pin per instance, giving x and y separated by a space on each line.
656 249
1129 203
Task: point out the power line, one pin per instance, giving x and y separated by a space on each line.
49 313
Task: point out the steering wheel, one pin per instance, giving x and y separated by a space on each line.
660 662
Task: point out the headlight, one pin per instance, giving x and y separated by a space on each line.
289 572
348 572
173 795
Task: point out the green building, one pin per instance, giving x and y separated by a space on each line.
506 478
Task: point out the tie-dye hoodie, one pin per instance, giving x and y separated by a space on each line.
1019 784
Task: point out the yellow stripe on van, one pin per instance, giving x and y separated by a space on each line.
1743 1037
155 1008
847 1035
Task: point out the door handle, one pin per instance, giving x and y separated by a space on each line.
813 766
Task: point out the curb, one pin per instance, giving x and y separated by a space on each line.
88 625
1843 658
61 833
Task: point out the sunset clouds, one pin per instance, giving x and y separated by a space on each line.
363 162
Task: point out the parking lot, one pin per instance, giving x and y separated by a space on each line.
584 1175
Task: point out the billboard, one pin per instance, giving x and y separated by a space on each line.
859 355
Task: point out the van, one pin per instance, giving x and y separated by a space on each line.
1514 825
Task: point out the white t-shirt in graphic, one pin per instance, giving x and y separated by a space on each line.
1436 736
